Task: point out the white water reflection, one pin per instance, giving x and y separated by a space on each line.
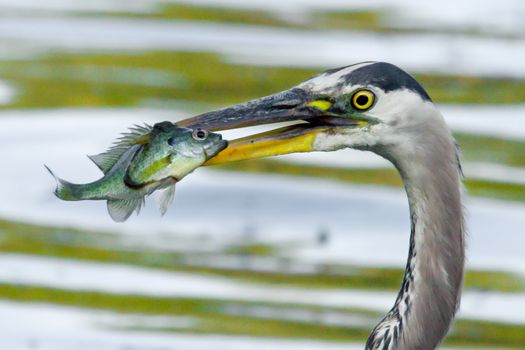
505 17
303 315
486 17
495 172
271 46
51 327
7 92
504 121
75 6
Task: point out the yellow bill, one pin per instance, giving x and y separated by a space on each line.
293 139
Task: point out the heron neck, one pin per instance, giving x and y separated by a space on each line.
431 287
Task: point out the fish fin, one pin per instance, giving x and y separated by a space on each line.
164 198
64 190
136 135
121 209
103 161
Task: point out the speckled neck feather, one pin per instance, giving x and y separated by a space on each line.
431 288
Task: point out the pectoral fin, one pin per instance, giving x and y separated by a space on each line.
164 198
121 209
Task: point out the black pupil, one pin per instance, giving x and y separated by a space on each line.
201 134
361 100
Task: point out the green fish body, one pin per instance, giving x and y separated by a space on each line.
172 151
146 160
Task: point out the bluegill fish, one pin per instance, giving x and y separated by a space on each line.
145 160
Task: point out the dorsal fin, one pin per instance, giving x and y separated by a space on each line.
136 135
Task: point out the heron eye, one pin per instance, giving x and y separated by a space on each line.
199 135
363 100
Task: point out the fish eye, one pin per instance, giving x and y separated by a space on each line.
199 134
363 99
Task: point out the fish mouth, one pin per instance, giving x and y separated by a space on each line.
312 115
215 148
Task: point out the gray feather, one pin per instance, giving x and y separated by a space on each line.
431 289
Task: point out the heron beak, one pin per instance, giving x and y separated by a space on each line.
312 114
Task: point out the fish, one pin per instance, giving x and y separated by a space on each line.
144 160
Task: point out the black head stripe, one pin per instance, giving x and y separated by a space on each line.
385 76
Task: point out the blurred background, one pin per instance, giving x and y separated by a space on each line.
301 252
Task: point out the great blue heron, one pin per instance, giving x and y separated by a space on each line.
377 107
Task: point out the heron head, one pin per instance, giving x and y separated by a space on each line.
371 106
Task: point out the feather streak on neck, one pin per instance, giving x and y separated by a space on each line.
431 288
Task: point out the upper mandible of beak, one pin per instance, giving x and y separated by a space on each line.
285 106
290 105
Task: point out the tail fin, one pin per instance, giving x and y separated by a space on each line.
64 190
121 209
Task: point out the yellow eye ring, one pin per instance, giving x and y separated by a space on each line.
363 99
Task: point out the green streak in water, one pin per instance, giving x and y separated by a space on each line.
107 248
213 317
56 81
